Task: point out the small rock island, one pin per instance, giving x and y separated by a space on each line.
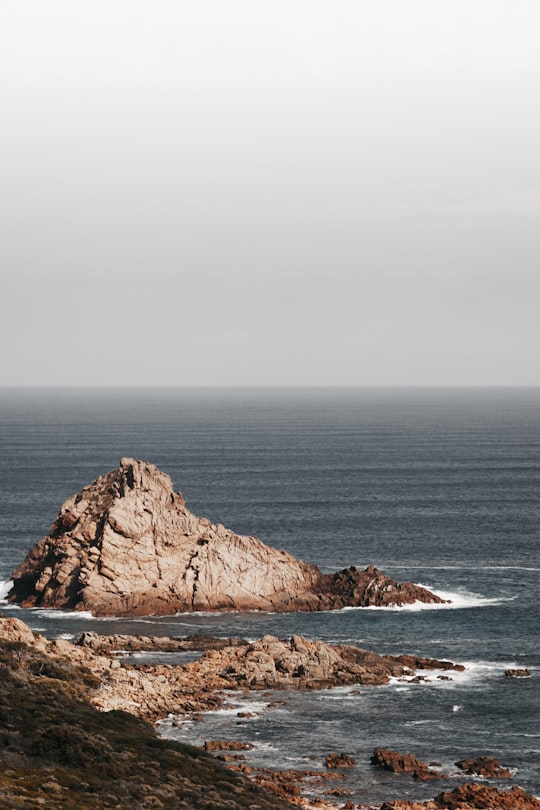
126 545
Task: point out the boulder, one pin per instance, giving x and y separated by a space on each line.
339 761
126 545
484 766
402 763
227 745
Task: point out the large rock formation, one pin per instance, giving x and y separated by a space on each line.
126 545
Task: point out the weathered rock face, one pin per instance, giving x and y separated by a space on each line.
127 545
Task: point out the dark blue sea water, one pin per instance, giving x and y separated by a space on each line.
440 486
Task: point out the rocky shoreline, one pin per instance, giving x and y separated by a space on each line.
78 719
148 693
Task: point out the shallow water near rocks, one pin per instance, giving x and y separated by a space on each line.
437 486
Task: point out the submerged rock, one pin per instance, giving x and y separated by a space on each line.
126 545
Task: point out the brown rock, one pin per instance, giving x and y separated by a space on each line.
339 761
402 763
517 673
127 643
484 766
472 797
227 745
484 797
295 663
417 662
151 691
15 630
127 545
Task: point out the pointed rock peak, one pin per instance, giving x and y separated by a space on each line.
128 462
139 474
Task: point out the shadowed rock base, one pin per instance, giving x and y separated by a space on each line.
126 545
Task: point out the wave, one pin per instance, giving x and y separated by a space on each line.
476 673
57 613
5 587
454 600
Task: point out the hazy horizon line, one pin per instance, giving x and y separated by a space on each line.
317 386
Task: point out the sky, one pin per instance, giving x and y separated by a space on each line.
269 192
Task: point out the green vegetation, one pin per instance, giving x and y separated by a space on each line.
60 753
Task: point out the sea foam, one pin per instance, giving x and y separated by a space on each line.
5 587
454 600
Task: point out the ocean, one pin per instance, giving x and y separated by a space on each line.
437 486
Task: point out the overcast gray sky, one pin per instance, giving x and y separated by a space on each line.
277 192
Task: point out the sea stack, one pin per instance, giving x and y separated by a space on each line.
126 545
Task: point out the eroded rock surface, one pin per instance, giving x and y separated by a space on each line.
126 545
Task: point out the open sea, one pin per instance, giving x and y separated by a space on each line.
437 486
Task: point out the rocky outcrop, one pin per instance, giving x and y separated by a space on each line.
227 745
333 761
472 797
153 692
126 545
121 642
403 763
484 766
63 676
298 663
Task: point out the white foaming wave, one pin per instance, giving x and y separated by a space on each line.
481 669
475 673
56 613
224 711
454 600
339 693
5 587
254 706
265 746
257 707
